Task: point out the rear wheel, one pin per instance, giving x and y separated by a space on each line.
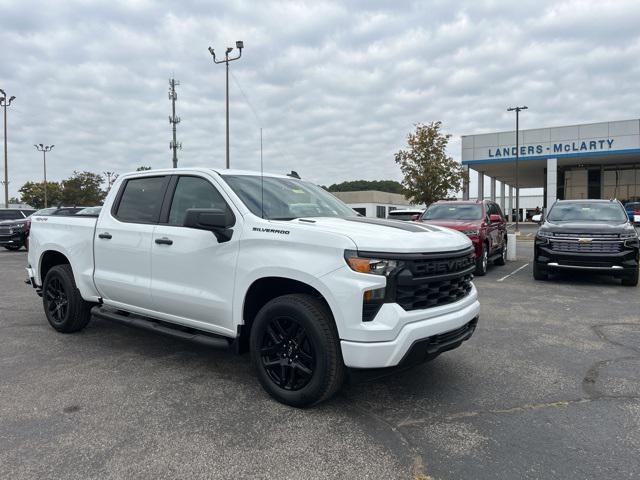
64 307
631 280
296 350
539 272
482 261
502 259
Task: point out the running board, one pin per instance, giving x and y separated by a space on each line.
183 333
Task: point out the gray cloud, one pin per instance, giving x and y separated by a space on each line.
336 85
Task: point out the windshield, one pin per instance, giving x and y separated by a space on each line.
451 211
10 214
587 212
286 198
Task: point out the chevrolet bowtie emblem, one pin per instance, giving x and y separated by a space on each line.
585 240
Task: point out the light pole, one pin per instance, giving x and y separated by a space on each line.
44 149
239 46
517 110
5 103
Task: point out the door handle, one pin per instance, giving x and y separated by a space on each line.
164 241
105 235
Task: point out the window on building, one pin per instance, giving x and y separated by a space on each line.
381 211
362 211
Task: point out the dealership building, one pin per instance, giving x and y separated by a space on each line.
594 160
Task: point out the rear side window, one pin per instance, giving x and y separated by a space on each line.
193 192
141 200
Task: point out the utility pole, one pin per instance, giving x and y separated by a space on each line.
239 46
517 110
111 177
44 149
173 120
5 103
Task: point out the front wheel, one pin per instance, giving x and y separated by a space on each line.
539 272
296 350
64 307
482 261
631 280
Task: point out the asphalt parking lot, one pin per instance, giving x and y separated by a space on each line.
548 387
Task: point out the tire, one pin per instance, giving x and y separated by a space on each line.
502 260
631 280
64 307
13 248
539 272
482 262
295 350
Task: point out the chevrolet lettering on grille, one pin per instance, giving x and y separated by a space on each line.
448 265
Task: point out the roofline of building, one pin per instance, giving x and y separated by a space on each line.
548 128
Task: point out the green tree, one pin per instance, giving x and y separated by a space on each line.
429 173
32 193
142 169
356 185
83 189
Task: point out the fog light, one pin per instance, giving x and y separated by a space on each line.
372 301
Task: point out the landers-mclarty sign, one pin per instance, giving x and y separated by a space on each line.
585 146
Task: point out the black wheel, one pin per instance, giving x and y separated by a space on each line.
482 261
502 259
296 350
66 311
13 248
539 272
631 280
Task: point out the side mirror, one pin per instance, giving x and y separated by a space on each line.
537 218
415 218
495 218
212 219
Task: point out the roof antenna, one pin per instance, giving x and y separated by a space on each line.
293 174
261 176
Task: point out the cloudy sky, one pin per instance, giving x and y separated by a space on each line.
336 86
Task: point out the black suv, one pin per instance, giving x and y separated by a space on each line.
13 227
587 235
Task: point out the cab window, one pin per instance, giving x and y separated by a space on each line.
193 192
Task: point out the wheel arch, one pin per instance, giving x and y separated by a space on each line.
265 289
48 260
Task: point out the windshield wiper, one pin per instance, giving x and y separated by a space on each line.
283 218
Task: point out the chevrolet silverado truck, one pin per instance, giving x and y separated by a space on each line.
266 264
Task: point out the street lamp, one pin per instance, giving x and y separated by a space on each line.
517 110
239 46
44 149
5 103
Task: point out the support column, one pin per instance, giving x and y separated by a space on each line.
465 182
552 181
493 189
502 204
510 208
480 186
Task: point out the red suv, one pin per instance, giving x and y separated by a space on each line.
482 221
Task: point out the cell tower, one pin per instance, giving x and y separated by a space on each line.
173 120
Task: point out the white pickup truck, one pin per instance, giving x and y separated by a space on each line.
268 264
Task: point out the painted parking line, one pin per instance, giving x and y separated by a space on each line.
512 273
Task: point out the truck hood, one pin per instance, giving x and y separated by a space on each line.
586 227
393 236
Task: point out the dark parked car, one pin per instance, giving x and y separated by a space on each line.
633 211
482 221
13 227
587 235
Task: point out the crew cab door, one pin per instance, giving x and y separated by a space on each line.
122 243
193 272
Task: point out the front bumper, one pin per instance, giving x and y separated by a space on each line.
13 239
424 335
619 263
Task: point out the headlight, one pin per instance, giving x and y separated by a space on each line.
629 235
375 266
471 233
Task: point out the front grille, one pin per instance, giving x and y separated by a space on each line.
607 236
589 247
5 231
431 282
